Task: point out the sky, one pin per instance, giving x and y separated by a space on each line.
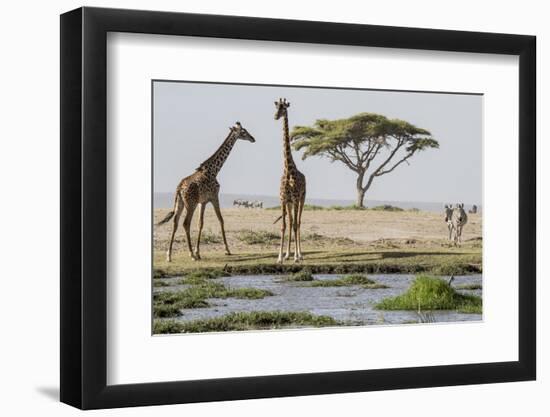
191 120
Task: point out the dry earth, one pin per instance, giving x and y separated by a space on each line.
352 235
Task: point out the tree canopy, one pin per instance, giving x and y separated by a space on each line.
369 144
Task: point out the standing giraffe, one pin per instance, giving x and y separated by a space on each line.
292 193
201 188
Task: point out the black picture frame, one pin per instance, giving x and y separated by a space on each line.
84 207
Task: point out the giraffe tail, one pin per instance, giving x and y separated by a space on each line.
166 219
170 214
278 218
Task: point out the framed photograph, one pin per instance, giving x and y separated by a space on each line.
258 208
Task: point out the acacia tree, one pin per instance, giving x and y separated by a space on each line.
369 144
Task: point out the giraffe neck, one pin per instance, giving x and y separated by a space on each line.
289 161
214 164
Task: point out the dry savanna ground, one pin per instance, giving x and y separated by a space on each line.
332 240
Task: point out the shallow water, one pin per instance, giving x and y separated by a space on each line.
351 304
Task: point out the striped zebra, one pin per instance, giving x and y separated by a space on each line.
458 219
448 219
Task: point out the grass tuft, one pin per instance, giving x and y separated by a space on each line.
200 277
208 237
299 276
429 293
348 280
260 237
468 287
244 321
470 309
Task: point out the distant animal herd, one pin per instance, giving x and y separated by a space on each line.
248 204
202 187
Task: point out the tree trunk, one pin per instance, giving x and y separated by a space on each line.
360 197
360 190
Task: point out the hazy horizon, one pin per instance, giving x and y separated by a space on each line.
165 199
192 119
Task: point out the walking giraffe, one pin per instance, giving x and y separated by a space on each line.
201 188
292 192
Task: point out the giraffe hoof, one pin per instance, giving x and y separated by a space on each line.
286 258
228 253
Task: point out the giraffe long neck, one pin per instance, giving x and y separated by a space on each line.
289 161
214 164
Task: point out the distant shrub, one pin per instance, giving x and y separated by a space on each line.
386 207
313 207
352 207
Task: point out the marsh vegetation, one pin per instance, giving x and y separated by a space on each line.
362 266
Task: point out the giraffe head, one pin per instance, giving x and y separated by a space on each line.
240 132
281 107
448 212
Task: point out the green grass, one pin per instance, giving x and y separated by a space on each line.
471 309
468 287
313 207
330 259
169 303
200 277
244 321
299 276
352 207
307 207
160 283
386 207
430 293
260 237
346 281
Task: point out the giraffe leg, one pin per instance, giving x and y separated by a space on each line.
178 210
299 228
283 228
290 225
202 206
216 205
296 242
187 227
